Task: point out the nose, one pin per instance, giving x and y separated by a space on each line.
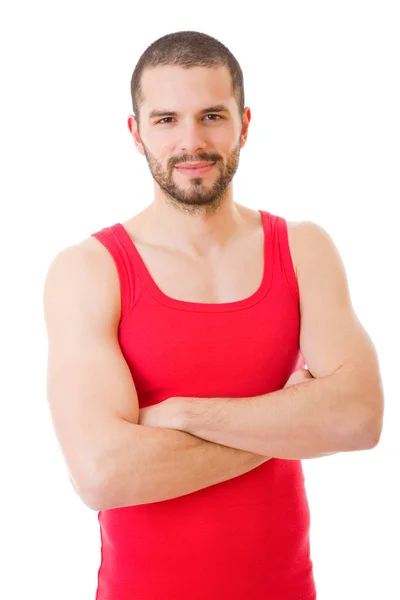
193 138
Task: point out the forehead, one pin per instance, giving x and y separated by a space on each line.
197 86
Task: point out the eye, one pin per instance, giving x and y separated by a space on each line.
208 115
213 115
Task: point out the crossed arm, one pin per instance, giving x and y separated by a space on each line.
307 420
340 410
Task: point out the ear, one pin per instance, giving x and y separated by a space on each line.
245 126
134 130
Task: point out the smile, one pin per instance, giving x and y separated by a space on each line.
194 171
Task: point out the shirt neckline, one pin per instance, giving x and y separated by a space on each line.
175 303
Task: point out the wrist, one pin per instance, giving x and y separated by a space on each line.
185 414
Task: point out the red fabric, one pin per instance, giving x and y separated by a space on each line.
242 539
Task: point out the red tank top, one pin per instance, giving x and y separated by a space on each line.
242 539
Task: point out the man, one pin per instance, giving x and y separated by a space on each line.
177 347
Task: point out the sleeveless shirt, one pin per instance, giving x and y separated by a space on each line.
246 538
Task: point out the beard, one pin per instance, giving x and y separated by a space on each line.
197 195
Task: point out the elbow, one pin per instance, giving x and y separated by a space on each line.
94 499
364 408
91 489
376 408
370 440
107 494
375 421
374 434
97 497
372 423
89 495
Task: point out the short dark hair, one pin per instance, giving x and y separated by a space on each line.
187 49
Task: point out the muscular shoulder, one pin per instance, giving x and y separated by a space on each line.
94 254
99 254
298 236
301 236
294 239
88 265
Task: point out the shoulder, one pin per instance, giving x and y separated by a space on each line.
86 266
89 252
305 237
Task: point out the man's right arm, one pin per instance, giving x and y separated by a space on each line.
113 461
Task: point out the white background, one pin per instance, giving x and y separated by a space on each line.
322 81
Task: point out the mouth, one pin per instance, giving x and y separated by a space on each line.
194 170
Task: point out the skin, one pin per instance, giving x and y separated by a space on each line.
194 213
171 413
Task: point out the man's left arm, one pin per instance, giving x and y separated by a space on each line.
341 410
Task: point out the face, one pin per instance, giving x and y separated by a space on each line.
187 116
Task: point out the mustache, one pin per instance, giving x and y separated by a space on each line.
202 158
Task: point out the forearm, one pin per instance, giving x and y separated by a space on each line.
148 464
315 418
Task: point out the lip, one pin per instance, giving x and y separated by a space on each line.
194 170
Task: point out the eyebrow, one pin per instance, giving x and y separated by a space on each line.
170 113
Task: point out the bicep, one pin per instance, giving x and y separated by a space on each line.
89 384
331 335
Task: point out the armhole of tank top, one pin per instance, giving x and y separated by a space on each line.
121 260
287 260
